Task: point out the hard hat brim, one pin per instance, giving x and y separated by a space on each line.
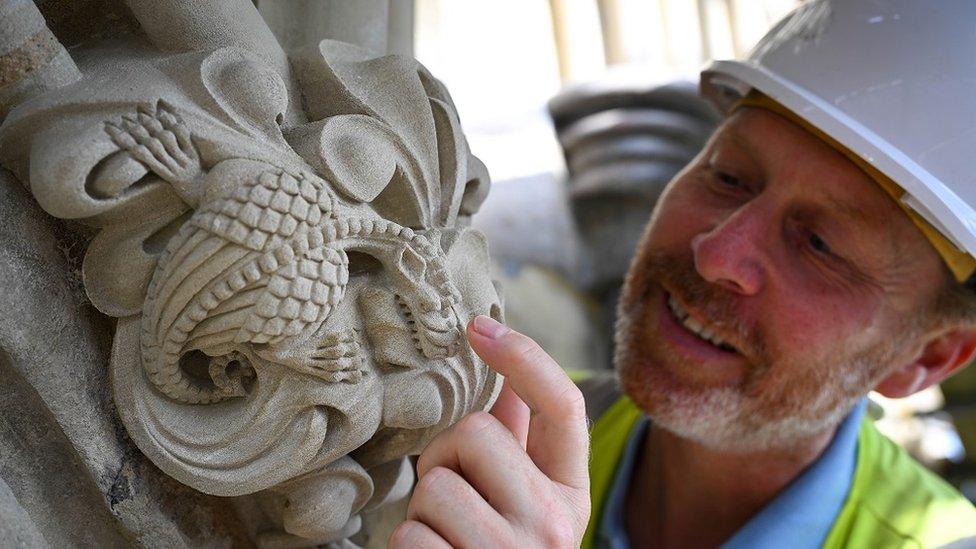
725 82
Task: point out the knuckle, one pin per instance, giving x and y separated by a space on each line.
406 534
572 404
554 523
526 350
474 424
578 502
558 533
433 481
583 507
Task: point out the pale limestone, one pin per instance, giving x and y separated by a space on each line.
284 240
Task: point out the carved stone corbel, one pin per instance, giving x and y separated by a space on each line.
291 291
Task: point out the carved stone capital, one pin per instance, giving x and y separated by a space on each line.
290 299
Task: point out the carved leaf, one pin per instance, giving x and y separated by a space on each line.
250 93
420 131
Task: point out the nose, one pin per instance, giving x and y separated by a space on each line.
730 254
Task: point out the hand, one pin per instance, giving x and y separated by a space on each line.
516 477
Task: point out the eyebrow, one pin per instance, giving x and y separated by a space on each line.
847 210
732 135
855 213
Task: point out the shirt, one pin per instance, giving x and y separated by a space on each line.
802 515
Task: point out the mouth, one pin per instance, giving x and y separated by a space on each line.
698 328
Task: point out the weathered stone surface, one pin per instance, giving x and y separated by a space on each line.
283 243
380 26
17 529
31 58
66 457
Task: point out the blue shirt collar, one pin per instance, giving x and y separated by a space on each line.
802 515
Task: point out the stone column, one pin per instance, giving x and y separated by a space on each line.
381 26
236 275
32 60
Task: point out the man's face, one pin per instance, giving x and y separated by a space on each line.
774 285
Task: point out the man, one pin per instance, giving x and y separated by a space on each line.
818 248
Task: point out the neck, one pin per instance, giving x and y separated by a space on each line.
688 495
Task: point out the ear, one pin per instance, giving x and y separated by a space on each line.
941 357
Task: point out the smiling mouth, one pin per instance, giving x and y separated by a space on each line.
697 328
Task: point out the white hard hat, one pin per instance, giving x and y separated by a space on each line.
893 81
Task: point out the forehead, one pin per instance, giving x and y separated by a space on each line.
784 154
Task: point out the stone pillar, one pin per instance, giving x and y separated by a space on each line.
381 26
236 276
32 60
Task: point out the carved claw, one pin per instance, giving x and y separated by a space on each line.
338 346
336 358
162 142
348 369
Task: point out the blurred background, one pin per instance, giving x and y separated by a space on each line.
583 110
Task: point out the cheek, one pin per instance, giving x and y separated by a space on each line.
812 325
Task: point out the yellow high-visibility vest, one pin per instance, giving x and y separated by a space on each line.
893 501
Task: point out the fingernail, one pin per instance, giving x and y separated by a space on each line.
489 327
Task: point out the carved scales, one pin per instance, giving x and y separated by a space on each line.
290 302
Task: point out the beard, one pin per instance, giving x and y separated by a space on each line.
780 401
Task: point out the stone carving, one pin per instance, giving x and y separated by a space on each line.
290 297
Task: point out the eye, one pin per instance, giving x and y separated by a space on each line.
818 244
728 179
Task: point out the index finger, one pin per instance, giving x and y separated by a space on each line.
513 413
558 440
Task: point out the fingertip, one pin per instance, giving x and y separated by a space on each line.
488 327
483 345
491 339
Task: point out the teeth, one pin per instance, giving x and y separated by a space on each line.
676 308
697 327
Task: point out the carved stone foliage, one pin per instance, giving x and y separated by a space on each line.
291 301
